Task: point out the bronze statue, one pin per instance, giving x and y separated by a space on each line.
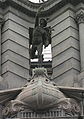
38 36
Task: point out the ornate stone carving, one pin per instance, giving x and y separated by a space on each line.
12 107
40 94
32 7
69 105
80 17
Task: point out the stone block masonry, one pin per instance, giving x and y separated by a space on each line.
65 47
15 48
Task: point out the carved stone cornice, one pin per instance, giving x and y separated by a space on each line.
30 8
80 17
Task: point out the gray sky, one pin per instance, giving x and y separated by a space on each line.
36 1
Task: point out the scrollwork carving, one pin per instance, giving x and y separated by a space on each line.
69 105
13 107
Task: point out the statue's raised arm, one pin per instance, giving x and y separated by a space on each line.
38 16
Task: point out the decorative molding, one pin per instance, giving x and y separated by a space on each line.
13 107
34 95
30 8
80 17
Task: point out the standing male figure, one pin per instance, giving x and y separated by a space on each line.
41 35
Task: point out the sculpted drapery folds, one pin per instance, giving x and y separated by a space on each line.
39 35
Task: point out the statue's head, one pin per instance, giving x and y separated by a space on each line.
43 22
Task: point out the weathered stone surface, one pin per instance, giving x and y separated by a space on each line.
15 48
69 32
10 45
15 68
13 80
65 41
64 67
16 28
64 56
1 20
65 45
80 19
64 25
17 38
65 48
3 84
17 18
67 79
14 57
81 79
62 17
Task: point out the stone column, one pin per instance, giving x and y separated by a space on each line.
1 20
80 20
0 44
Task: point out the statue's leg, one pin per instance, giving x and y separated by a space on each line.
40 57
33 50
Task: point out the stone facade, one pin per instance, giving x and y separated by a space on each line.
67 44
67 56
15 47
66 17
65 47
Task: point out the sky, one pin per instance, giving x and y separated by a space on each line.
36 1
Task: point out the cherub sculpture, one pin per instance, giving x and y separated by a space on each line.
38 36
